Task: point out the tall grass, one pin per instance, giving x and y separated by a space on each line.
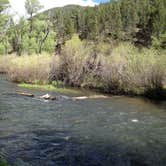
113 69
30 69
5 61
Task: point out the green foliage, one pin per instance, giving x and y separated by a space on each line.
140 21
32 6
3 4
159 15
49 87
159 42
2 49
49 44
156 43
32 46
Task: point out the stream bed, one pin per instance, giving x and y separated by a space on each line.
118 131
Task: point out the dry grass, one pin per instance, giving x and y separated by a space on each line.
5 61
30 68
120 69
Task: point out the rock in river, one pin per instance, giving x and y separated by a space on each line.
48 97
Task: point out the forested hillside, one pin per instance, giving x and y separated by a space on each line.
140 21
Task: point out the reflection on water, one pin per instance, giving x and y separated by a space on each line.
119 131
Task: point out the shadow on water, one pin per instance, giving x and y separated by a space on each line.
157 94
62 148
58 148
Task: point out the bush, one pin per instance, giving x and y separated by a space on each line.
130 70
117 70
122 69
71 63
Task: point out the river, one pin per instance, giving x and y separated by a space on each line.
118 131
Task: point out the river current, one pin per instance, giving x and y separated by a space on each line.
118 131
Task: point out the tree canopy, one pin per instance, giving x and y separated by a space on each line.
141 22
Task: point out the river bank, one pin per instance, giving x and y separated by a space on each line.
119 70
50 87
156 94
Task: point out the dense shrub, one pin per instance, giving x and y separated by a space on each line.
112 69
125 69
72 60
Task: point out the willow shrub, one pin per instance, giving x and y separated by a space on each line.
122 69
72 62
130 70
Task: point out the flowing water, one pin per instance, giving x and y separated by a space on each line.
118 131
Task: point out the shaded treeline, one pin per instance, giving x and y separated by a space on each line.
139 21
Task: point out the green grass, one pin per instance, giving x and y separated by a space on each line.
48 87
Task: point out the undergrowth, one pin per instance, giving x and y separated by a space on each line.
118 69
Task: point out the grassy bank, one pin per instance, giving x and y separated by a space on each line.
49 87
115 69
